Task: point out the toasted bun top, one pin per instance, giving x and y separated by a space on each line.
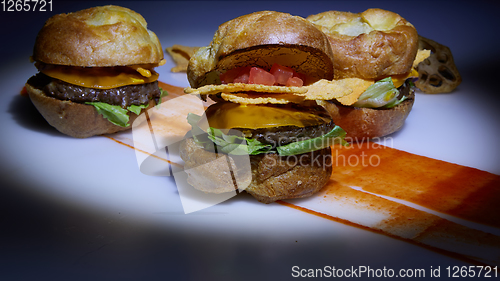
261 39
97 37
370 45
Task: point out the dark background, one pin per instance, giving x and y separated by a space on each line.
39 237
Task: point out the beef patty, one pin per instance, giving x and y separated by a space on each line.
123 96
283 135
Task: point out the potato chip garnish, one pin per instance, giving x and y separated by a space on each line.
250 98
180 55
326 90
320 90
242 87
357 85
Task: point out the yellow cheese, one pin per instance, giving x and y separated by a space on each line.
399 80
101 77
228 115
359 85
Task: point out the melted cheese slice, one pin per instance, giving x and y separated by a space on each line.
359 85
399 80
101 77
228 115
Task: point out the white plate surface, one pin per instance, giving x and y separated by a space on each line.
82 208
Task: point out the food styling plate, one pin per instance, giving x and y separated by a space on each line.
82 208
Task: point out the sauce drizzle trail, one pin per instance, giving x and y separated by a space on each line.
448 188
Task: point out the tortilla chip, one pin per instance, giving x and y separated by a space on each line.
249 98
326 90
180 55
242 87
239 92
357 85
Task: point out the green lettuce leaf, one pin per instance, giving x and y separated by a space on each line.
382 94
335 136
114 113
199 135
137 108
237 145
163 94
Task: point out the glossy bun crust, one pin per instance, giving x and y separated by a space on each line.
369 45
362 124
261 39
268 178
98 36
74 119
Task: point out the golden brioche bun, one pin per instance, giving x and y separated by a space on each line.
362 124
369 45
97 37
269 178
75 119
105 36
292 177
261 39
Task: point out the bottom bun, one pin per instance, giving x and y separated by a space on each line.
74 119
270 177
362 124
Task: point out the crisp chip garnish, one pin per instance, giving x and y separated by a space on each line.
422 54
326 90
242 87
180 55
238 92
357 85
250 98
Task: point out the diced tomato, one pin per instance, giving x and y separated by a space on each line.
281 73
300 75
278 75
294 81
260 76
242 78
24 92
228 76
232 74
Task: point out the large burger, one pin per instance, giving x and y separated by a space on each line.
264 72
377 51
95 70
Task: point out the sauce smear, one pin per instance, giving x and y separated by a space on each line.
449 188
364 172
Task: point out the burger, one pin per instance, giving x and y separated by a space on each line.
96 70
377 51
262 74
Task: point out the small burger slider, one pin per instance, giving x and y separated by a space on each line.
95 70
264 72
376 52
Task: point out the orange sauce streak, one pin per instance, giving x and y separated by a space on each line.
173 91
155 156
24 92
449 188
346 222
